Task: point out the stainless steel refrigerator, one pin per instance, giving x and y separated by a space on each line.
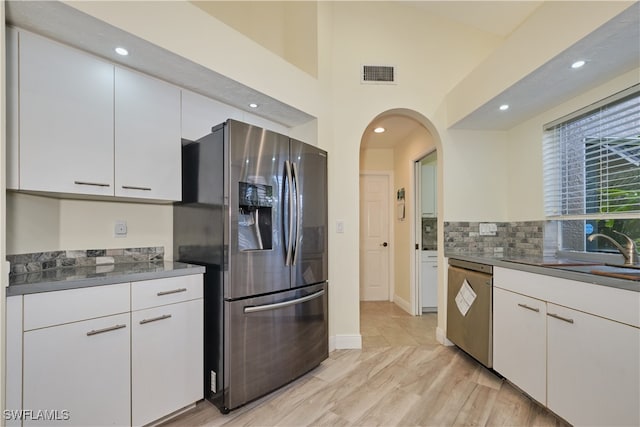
254 213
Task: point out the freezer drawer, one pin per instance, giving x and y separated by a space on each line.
272 340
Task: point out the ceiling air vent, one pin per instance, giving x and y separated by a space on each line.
378 74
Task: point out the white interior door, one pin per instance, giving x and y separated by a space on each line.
374 238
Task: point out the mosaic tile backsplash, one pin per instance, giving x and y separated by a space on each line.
39 261
430 234
515 238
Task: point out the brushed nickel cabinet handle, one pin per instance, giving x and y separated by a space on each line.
102 331
537 310
564 319
155 319
174 291
95 184
133 187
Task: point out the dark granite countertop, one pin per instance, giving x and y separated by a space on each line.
107 274
565 268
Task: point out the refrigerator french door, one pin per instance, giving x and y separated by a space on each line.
254 212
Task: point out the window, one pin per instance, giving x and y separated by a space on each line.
592 171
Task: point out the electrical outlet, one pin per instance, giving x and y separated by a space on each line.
120 229
488 229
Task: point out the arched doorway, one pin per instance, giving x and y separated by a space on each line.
388 161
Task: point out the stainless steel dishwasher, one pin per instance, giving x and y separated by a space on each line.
470 309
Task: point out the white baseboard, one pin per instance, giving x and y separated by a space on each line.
342 342
403 304
441 337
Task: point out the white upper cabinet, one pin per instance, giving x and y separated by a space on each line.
79 125
147 137
13 178
429 190
66 119
200 114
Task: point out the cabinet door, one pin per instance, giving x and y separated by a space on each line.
200 114
147 137
430 280
429 208
82 368
166 359
13 141
66 119
593 369
520 341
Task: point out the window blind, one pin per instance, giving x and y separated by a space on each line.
592 160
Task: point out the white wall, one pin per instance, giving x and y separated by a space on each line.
288 29
474 186
416 145
90 225
377 159
33 223
382 33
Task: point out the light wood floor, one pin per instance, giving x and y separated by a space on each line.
401 377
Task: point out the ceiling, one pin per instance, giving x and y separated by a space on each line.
397 129
610 51
499 18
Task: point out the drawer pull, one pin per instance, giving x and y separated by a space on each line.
564 319
537 310
133 187
155 319
95 184
174 291
102 331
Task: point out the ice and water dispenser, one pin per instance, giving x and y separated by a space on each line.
255 228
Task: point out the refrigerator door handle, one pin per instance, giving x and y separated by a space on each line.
275 306
298 213
287 166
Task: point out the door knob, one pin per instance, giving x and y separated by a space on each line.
385 244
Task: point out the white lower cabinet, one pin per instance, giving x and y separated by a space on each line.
582 362
85 359
593 369
164 376
78 373
520 340
430 280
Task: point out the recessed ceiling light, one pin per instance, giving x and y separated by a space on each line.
253 105
379 130
578 64
122 51
504 107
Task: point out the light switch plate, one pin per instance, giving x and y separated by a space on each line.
120 229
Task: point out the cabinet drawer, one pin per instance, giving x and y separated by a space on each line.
58 307
152 293
611 303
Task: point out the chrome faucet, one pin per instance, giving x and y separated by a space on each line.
629 251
